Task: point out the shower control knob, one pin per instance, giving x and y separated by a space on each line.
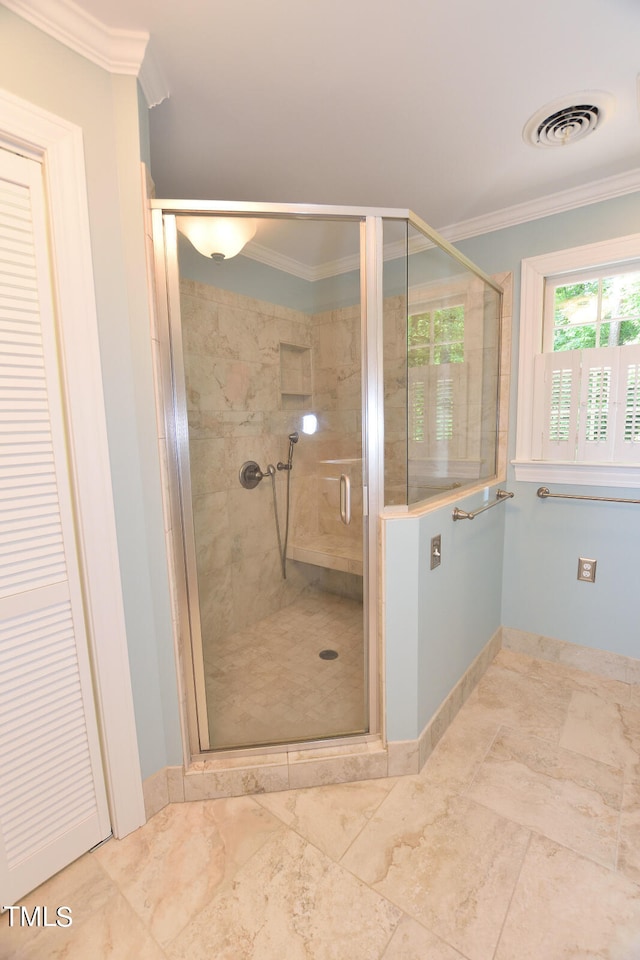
250 475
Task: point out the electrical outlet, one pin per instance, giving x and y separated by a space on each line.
436 551
587 570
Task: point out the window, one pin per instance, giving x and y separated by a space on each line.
599 309
579 383
435 339
436 336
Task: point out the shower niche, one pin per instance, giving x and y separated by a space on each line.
344 336
295 376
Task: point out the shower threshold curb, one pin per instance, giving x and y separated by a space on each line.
303 765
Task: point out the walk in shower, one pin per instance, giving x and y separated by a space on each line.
340 362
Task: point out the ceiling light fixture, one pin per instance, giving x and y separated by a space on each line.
565 121
217 238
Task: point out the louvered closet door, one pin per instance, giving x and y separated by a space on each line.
52 797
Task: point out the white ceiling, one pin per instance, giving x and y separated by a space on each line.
411 103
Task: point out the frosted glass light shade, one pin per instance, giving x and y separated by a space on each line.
217 237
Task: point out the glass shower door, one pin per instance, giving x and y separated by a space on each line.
268 380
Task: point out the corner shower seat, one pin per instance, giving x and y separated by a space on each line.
330 551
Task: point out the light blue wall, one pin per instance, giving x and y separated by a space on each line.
541 593
402 582
438 621
459 602
543 540
47 74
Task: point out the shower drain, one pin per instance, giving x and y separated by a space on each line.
328 654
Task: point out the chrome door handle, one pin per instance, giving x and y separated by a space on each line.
345 499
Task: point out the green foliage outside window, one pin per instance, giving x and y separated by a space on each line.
436 336
597 313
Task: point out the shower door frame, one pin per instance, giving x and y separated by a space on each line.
172 398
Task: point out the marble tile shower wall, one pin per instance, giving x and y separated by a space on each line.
395 399
237 411
231 349
336 448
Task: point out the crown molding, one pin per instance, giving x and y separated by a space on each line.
118 51
151 79
279 261
330 268
598 190
594 192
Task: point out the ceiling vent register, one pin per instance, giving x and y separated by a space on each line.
559 124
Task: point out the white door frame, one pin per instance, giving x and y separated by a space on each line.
57 144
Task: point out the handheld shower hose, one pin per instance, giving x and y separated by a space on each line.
288 466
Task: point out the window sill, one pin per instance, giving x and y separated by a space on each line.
587 474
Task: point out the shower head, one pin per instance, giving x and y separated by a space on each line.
293 438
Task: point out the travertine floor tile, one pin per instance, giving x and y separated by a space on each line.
171 868
521 702
113 932
502 848
446 861
330 816
634 696
290 901
570 798
629 846
411 941
604 731
462 748
83 886
568 908
562 675
513 660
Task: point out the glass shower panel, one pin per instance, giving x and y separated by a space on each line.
394 351
273 386
488 423
451 365
452 361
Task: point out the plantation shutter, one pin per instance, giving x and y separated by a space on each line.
416 408
597 415
52 797
446 409
589 409
627 435
555 420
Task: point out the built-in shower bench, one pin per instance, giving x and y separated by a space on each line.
329 551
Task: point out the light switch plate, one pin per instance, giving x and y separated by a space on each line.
436 551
